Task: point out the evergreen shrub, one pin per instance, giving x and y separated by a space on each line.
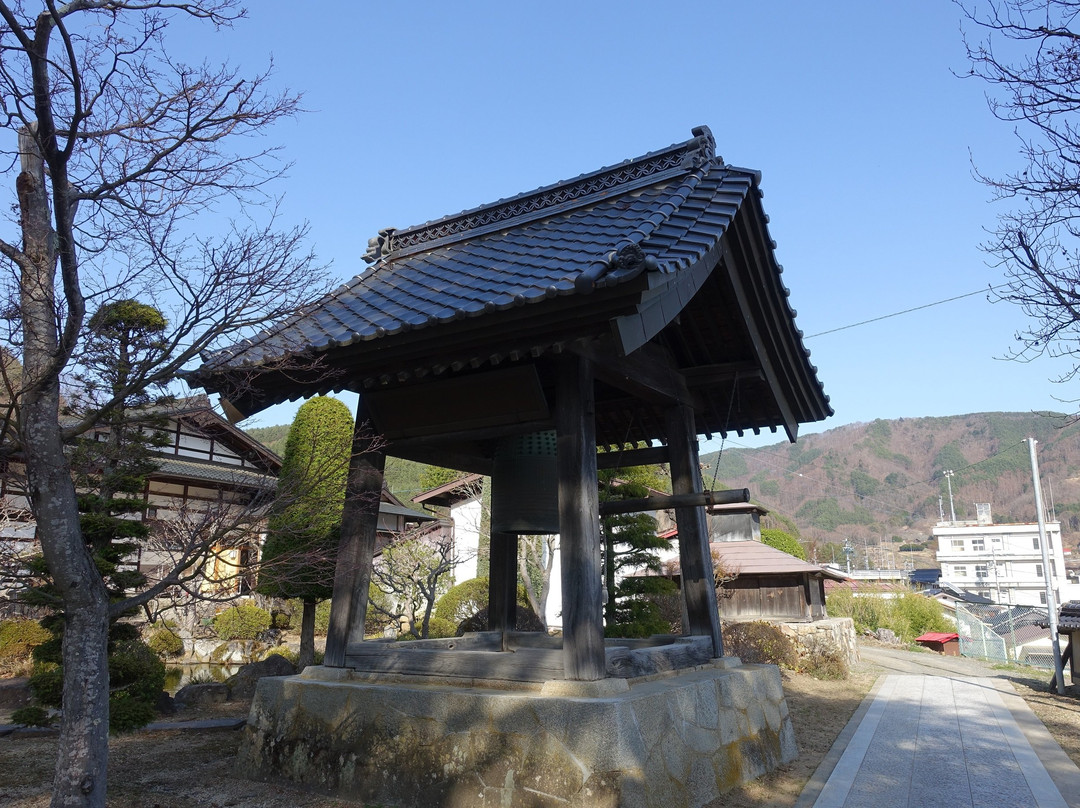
19 637
165 642
244 621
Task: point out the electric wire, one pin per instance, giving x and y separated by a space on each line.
907 311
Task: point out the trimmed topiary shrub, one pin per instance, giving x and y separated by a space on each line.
242 622
19 637
525 620
32 716
164 642
439 628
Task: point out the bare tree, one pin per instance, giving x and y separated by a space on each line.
1028 53
119 148
410 574
536 560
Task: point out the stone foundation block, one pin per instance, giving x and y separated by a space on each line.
676 741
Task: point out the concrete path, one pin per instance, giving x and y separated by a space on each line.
942 737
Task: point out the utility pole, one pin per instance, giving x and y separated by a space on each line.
1044 545
948 479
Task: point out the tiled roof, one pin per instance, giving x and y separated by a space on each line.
757 558
620 252
214 472
561 240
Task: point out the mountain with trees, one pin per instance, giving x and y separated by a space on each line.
882 485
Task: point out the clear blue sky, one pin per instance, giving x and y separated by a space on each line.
851 111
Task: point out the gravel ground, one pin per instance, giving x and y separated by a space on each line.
198 769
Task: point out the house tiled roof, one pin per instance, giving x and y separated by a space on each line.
213 472
618 253
757 558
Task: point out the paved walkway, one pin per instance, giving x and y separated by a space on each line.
946 739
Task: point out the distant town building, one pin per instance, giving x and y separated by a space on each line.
1003 562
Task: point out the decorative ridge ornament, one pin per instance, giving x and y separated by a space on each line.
674 161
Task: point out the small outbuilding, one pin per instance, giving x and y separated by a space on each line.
942 642
770 584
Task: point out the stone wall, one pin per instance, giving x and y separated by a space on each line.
676 739
834 634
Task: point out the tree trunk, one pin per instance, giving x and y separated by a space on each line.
82 753
307 636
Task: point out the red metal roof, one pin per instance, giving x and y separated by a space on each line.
937 636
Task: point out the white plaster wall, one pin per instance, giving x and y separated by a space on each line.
466 518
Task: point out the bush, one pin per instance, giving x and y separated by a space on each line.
784 542
47 684
439 628
524 620
32 716
242 622
19 637
136 679
825 663
462 601
165 643
908 616
322 618
467 598
760 642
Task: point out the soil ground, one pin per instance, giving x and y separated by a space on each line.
198 769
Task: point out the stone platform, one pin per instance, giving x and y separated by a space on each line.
670 739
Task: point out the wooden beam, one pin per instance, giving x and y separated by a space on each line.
698 583
579 522
647 456
356 548
660 503
502 582
649 373
772 378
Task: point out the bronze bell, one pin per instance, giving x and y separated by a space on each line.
524 485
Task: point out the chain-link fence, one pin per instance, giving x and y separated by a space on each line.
1005 634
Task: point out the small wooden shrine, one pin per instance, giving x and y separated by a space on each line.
533 340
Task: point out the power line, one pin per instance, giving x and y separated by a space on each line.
908 311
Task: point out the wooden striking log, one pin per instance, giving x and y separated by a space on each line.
659 503
579 522
356 549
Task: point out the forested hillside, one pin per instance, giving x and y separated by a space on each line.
882 483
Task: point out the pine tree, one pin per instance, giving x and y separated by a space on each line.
299 554
111 467
631 545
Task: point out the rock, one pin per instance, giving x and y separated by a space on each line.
202 693
887 636
241 685
165 704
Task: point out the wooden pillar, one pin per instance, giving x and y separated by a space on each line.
359 526
695 562
502 582
579 521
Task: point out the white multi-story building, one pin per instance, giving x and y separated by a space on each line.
1003 562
